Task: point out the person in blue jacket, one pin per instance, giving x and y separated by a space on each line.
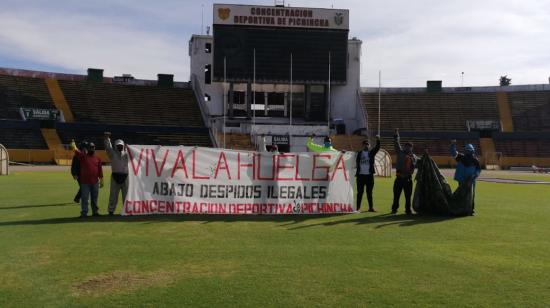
467 168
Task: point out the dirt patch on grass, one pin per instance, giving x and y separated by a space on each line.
117 282
127 281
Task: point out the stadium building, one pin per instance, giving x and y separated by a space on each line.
285 72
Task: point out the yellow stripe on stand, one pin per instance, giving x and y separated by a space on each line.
59 100
504 112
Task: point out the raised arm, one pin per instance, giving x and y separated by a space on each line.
376 148
313 147
108 146
454 152
74 148
397 142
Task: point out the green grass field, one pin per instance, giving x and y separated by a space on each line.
499 258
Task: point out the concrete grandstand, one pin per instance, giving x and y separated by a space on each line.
509 125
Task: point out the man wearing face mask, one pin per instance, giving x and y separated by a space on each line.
317 148
364 174
468 168
119 167
406 163
91 178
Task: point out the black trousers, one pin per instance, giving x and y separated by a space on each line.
365 181
402 184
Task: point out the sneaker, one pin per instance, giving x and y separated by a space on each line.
111 213
83 216
394 211
96 214
372 210
408 213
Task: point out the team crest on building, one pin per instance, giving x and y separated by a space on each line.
223 14
338 18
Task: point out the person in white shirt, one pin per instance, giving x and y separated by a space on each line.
119 166
365 172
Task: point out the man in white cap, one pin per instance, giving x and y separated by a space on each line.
119 168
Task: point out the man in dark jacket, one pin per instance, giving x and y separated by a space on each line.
75 170
406 163
364 162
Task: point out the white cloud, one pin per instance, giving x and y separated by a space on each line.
79 41
410 41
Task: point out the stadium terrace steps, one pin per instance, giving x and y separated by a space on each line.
52 139
62 156
179 139
504 112
167 139
530 110
347 142
20 138
429 111
59 99
237 141
132 105
17 92
487 145
523 148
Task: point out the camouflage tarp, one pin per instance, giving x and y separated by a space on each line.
433 194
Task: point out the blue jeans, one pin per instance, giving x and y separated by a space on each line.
89 191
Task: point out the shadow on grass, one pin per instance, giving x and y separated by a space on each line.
38 206
289 219
383 220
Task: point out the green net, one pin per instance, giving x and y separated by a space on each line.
433 194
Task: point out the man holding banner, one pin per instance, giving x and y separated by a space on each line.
119 167
365 171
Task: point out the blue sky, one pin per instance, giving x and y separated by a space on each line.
410 41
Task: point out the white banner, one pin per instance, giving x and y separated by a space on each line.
194 180
274 16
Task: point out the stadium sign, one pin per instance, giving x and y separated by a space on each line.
194 180
274 16
40 114
280 140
